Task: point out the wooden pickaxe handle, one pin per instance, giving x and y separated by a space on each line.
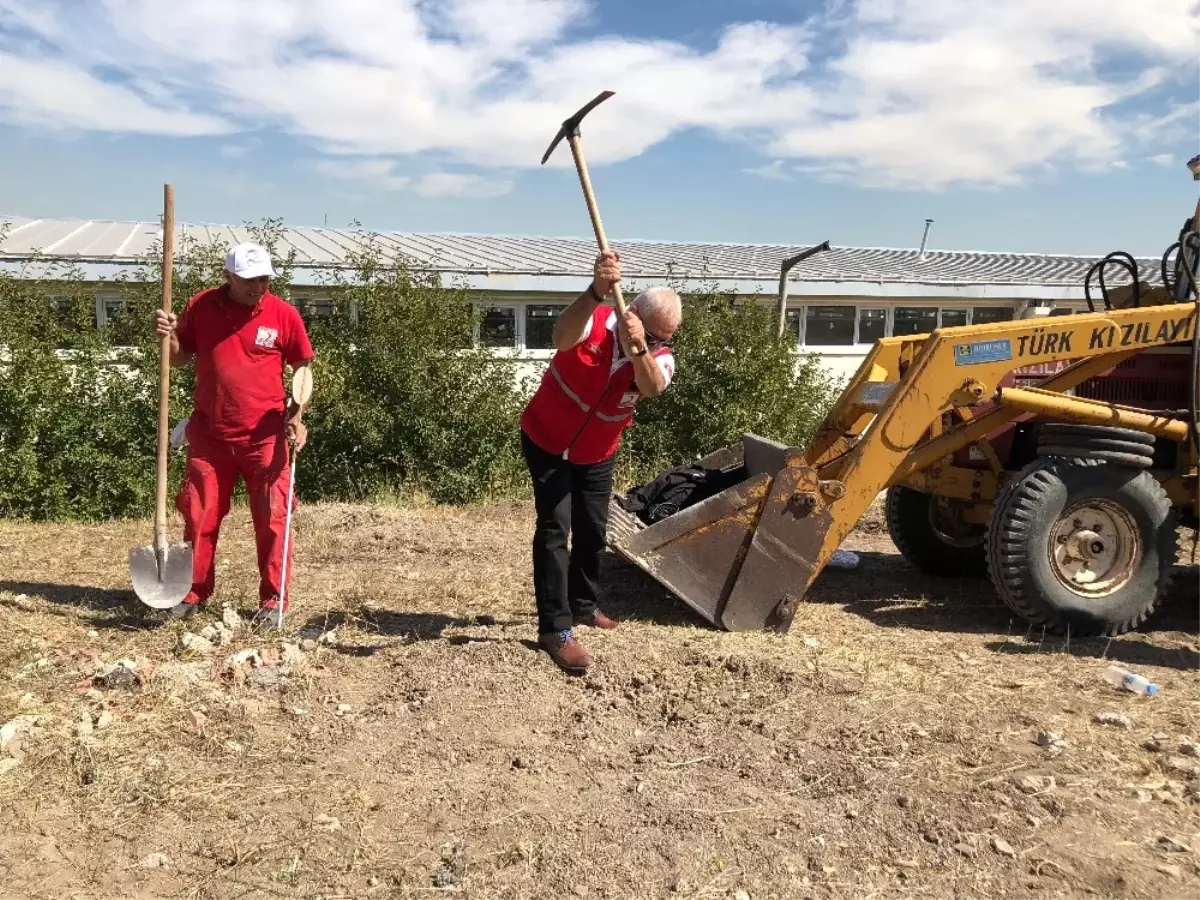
593 210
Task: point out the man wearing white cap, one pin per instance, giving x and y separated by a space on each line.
240 335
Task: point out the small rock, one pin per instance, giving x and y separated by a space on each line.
740 895
1168 844
155 861
1156 744
1034 784
195 721
84 727
680 885
122 674
249 655
265 677
104 720
1188 748
301 710
323 822
27 700
811 643
1169 871
373 881
93 633
1142 795
518 763
965 849
193 643
210 633
343 708
1182 765
903 802
16 749
292 655
7 765
1049 738
94 695
330 637
308 645
230 618
1002 847
685 713
1112 718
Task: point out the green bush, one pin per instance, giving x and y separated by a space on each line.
403 404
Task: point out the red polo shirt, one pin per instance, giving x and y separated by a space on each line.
240 352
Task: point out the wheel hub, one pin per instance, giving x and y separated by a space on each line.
1094 548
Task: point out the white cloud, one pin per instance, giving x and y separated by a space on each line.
896 93
1162 159
773 170
459 184
378 173
381 174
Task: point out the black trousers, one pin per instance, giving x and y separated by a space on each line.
569 498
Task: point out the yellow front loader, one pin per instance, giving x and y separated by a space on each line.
1068 498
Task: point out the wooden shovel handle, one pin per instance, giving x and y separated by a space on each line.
593 210
164 371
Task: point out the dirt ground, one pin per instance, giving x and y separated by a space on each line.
888 746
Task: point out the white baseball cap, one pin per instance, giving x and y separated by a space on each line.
249 261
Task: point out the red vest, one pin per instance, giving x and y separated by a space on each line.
583 402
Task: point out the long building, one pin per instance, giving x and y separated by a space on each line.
840 301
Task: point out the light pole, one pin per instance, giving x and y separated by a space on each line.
786 267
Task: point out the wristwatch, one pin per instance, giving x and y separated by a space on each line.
640 351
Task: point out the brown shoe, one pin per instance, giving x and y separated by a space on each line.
596 619
566 651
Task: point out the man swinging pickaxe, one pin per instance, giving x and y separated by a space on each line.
604 363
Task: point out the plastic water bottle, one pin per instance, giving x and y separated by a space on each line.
1123 678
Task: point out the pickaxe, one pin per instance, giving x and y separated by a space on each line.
570 130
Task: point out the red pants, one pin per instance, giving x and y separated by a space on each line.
213 469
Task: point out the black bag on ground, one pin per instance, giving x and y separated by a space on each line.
678 489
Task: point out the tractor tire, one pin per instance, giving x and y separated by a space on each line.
1102 443
913 521
1082 547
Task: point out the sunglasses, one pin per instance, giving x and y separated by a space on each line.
653 340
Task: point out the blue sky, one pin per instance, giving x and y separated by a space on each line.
1027 125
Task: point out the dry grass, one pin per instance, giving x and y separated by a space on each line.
879 750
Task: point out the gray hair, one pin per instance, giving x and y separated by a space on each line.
658 300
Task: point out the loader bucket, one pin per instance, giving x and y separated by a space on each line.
742 557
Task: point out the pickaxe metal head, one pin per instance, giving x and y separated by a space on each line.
571 125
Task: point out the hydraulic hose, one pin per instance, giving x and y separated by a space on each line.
1122 260
1188 259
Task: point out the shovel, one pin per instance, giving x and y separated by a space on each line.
162 573
302 385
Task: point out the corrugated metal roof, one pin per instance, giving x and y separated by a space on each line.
127 243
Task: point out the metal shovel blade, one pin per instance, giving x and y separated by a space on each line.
176 580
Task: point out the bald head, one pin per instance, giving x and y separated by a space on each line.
660 310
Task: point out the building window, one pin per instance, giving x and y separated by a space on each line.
499 327
108 308
915 320
792 321
872 325
314 308
985 315
539 325
829 326
954 318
